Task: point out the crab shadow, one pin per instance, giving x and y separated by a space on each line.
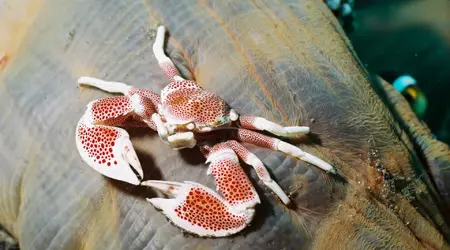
193 156
309 139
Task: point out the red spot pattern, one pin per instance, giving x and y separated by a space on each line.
182 85
232 182
155 98
256 138
195 104
202 209
146 110
262 173
185 100
169 70
243 153
111 110
246 121
98 142
119 110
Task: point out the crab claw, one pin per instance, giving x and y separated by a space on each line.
198 209
109 151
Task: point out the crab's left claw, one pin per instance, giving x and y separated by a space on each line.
107 148
198 209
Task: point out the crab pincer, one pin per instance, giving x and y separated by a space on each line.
200 210
105 148
101 143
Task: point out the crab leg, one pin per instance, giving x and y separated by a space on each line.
164 62
108 149
118 87
279 145
200 210
259 123
150 99
112 87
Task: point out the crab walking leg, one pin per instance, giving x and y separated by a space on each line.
252 160
279 145
112 87
108 149
118 87
164 62
259 123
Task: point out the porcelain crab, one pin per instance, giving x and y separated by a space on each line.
182 111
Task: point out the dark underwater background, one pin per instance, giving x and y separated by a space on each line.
409 37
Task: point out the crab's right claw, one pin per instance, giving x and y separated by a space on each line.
198 209
109 151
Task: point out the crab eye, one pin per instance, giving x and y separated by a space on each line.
222 120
